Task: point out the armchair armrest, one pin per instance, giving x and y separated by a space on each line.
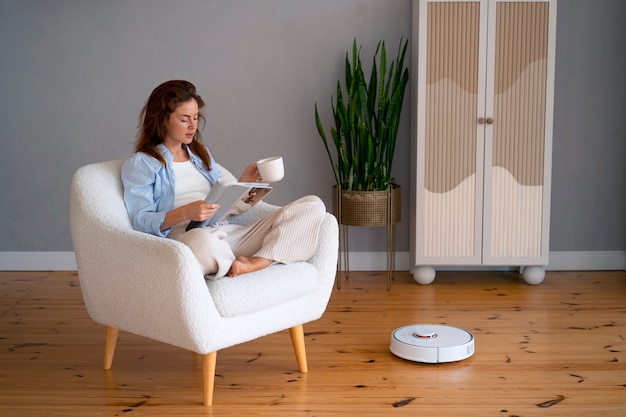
154 287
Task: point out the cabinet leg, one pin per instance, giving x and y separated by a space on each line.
533 275
424 274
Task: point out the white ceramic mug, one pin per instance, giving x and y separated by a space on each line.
271 169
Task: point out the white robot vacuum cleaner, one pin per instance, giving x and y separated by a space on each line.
432 343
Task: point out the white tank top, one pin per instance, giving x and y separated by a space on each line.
190 185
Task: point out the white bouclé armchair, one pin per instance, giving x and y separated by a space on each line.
153 286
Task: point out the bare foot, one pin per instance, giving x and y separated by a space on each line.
243 265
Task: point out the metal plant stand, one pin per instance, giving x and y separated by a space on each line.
366 209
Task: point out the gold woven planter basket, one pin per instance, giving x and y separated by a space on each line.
367 208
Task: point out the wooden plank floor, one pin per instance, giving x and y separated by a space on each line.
556 349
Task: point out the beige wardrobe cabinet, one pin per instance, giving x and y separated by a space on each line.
482 126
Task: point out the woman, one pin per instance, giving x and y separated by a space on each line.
166 179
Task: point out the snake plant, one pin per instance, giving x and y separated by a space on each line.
366 122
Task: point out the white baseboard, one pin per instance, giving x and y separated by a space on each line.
359 261
587 261
37 261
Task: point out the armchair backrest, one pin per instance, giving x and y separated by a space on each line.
101 193
99 188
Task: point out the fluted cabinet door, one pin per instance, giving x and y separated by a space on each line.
483 101
449 156
518 142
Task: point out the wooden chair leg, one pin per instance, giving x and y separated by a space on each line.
208 373
297 339
110 340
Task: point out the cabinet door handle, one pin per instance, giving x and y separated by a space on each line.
489 121
482 121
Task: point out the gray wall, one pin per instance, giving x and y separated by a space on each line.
589 161
74 75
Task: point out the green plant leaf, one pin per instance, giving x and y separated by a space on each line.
320 130
366 122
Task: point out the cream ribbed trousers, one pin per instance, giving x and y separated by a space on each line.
287 235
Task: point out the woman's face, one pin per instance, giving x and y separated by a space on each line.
182 124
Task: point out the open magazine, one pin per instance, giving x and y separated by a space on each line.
233 198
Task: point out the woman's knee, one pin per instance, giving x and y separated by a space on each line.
315 202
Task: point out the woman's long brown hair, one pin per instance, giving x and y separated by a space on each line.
153 117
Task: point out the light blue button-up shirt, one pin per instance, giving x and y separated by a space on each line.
149 188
